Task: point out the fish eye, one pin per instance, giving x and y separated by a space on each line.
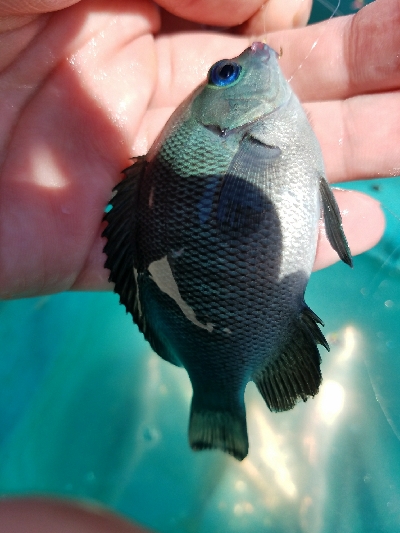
224 73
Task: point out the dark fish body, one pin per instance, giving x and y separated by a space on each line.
211 242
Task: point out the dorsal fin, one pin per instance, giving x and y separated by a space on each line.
120 234
294 373
122 254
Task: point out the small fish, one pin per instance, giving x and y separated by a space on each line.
211 239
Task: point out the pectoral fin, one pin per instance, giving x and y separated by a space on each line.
242 199
333 223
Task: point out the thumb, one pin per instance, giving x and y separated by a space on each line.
18 13
256 15
277 15
212 12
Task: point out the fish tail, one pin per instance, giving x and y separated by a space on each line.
219 429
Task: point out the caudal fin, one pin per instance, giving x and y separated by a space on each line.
223 430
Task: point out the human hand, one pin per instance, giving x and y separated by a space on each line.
83 89
46 515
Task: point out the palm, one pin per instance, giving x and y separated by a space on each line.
93 88
64 145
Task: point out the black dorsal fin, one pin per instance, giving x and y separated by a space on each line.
120 234
122 254
333 223
294 373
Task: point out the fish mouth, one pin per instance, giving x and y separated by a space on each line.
262 51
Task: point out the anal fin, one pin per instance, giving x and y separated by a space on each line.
294 374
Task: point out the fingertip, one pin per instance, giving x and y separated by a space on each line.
29 7
222 13
45 515
275 15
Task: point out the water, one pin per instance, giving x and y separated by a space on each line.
87 410
323 9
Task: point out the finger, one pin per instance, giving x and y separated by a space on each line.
39 515
332 60
183 62
94 276
215 13
360 137
19 13
363 224
171 24
25 7
277 15
344 56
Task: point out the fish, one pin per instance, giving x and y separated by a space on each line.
211 239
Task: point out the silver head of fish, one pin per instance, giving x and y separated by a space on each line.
241 90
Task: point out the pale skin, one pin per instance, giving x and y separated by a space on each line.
86 85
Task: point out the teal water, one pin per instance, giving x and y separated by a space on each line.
323 9
87 410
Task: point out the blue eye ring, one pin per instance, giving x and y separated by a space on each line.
224 73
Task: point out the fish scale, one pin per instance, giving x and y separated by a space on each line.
211 238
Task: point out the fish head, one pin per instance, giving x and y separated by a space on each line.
241 90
